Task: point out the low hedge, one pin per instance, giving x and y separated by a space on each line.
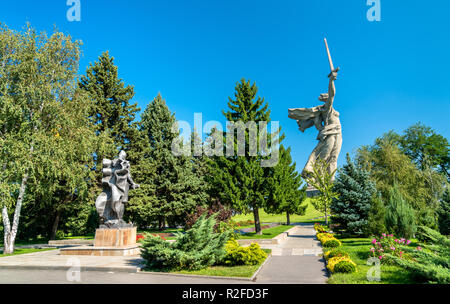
328 240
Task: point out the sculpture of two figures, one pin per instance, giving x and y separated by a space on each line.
116 183
326 120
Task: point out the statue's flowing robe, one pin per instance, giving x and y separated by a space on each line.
329 137
115 187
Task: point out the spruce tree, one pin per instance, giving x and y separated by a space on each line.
174 187
356 191
112 113
286 193
240 180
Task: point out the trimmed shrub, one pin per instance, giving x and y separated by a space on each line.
336 252
336 260
345 267
324 236
239 255
332 243
320 228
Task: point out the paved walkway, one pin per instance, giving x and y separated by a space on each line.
295 260
52 260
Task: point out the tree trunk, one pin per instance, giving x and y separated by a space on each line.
288 218
55 225
10 233
257 223
7 232
326 216
161 223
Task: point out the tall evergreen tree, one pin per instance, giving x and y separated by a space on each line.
356 191
174 187
240 179
286 193
112 113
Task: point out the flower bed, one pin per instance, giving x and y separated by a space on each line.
164 236
388 244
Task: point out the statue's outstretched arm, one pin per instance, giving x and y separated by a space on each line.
132 183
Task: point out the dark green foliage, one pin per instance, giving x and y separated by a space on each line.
400 217
352 207
286 193
239 255
444 213
112 111
332 243
411 162
240 181
198 248
430 262
344 267
426 148
376 221
171 187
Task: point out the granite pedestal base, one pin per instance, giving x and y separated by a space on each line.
108 242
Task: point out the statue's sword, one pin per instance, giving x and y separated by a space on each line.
329 58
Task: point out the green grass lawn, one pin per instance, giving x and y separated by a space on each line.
358 249
268 233
242 271
309 216
24 251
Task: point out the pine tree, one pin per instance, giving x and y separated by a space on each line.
444 213
286 193
356 190
240 180
174 187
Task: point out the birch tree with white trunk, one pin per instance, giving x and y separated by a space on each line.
37 85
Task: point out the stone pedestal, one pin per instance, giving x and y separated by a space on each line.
108 242
115 237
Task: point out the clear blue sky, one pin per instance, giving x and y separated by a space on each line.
394 73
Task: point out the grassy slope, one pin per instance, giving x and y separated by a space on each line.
358 248
309 216
268 233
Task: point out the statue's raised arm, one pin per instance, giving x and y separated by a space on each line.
326 120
